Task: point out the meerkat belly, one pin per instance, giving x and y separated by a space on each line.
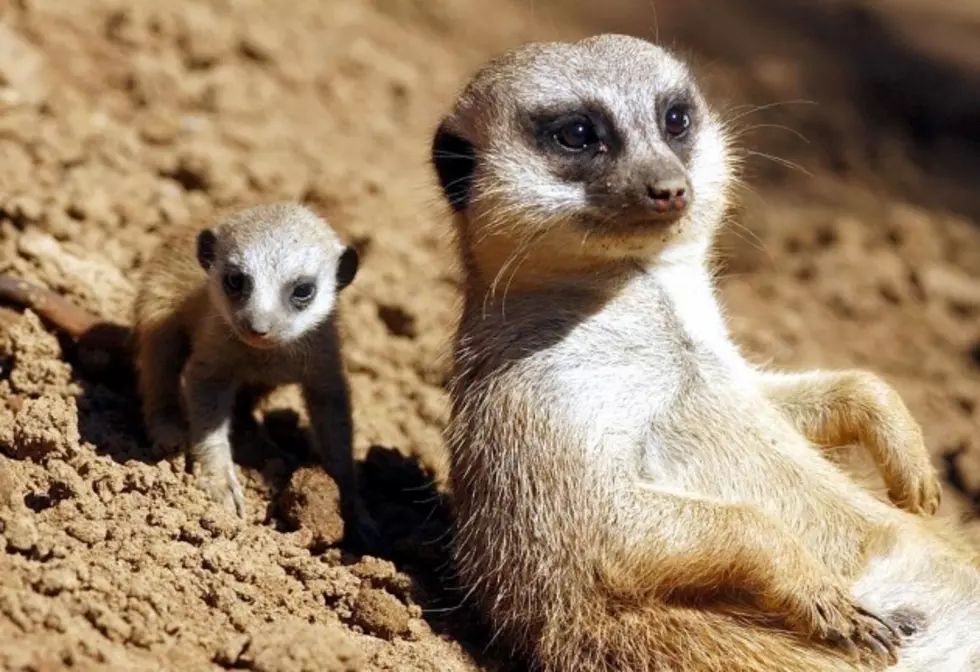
727 447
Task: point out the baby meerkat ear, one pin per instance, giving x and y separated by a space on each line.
454 160
347 267
206 242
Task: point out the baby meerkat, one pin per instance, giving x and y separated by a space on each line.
248 301
630 492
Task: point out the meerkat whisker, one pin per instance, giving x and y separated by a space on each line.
754 109
786 163
745 130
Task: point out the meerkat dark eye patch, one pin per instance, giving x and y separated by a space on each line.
302 293
206 242
347 267
577 142
583 131
454 159
235 283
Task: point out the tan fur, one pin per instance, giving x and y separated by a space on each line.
191 362
630 493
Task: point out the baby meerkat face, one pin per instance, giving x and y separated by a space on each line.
273 285
605 144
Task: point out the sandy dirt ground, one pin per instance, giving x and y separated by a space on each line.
855 244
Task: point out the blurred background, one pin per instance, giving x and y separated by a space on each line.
856 242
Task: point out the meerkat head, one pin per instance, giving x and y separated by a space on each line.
274 272
593 151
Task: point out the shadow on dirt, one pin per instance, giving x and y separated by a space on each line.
399 493
402 496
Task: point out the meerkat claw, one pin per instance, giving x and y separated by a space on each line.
237 494
223 487
922 498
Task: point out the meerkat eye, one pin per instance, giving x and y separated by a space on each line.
234 281
576 134
302 294
677 120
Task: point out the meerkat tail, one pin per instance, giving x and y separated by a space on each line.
662 638
70 319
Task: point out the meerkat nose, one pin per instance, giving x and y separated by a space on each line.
668 194
258 328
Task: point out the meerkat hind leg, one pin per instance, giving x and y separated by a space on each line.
758 554
842 407
161 355
210 404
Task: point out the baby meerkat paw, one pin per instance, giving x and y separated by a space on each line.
222 486
827 612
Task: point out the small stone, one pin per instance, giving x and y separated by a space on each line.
20 533
58 580
8 485
158 129
88 532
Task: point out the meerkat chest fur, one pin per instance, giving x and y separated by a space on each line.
654 386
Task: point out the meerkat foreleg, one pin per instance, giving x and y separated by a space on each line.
160 356
694 545
836 408
210 401
330 416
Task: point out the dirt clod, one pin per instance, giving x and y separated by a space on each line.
300 647
380 614
311 502
44 428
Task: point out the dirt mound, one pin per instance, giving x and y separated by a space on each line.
121 119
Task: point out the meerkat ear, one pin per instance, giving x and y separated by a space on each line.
206 241
347 267
454 160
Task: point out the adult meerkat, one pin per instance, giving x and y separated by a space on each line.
630 492
250 300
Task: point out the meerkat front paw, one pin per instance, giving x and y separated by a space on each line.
222 485
827 612
916 490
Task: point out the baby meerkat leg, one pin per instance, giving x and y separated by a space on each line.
694 545
160 356
210 401
835 408
330 415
